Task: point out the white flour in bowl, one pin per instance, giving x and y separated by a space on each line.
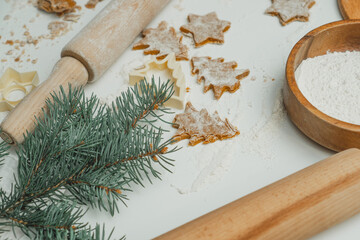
331 83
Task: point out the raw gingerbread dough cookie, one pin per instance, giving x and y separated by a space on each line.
200 126
206 29
290 10
218 75
162 41
56 6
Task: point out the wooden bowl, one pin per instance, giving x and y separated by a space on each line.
323 129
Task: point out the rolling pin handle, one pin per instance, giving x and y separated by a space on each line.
67 71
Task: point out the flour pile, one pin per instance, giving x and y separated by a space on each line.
331 83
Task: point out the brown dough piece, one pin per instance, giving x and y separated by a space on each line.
218 75
162 41
58 29
92 3
206 29
56 6
200 126
290 10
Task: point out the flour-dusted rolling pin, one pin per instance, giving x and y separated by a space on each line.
85 58
296 207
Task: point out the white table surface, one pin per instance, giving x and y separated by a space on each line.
204 177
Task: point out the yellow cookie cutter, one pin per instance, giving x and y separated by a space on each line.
12 81
177 76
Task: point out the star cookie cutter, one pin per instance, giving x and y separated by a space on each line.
12 81
177 76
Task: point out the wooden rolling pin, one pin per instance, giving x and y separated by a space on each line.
85 58
296 207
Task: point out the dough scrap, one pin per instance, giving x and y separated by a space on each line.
92 3
206 29
57 29
57 6
162 41
218 75
290 10
200 126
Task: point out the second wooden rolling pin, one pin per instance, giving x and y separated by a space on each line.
296 207
85 58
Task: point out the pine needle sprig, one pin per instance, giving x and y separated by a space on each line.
4 147
136 105
84 153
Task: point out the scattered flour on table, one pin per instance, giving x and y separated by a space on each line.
227 2
179 5
122 75
213 162
18 44
208 165
331 83
260 139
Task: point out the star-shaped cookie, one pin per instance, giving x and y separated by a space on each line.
200 126
206 29
162 41
290 10
218 75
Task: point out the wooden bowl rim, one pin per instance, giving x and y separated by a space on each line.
291 81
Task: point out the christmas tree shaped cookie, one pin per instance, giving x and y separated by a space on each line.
290 10
218 75
206 29
200 126
162 41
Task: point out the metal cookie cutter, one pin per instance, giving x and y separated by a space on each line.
12 81
176 73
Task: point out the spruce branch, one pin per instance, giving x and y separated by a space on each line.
84 153
136 105
3 151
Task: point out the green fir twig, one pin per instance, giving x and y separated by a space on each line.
84 153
